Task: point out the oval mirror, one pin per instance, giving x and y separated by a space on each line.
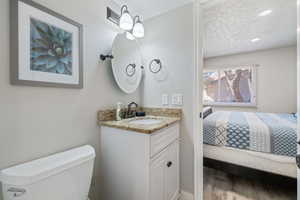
127 63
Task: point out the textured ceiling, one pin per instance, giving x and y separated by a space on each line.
230 25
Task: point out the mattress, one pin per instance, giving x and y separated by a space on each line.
262 132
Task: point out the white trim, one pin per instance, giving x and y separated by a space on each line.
197 100
186 195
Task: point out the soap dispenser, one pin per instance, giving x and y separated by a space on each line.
119 111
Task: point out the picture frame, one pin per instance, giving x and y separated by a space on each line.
46 48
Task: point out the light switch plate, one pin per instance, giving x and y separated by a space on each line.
173 101
165 99
177 99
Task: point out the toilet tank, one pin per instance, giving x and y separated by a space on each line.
63 176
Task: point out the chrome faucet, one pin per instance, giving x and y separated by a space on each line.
130 113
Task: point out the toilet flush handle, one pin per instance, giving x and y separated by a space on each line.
17 191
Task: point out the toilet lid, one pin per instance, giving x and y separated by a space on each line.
36 170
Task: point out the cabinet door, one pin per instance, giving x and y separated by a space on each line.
157 177
172 172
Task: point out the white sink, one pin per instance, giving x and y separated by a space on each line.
145 121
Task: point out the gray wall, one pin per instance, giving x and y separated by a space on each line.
36 122
276 78
169 37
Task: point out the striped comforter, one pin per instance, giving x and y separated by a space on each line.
264 132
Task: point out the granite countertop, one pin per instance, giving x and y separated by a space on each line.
126 124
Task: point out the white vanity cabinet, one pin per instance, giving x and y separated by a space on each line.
139 166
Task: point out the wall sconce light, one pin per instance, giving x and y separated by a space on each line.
126 21
134 27
138 30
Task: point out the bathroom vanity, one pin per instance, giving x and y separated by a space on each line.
140 158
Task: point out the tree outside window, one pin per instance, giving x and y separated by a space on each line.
230 86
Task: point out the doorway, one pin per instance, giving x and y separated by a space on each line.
242 67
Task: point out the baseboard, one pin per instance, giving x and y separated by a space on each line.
186 195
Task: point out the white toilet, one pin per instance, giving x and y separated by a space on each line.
63 176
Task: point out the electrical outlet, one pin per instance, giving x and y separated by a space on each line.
165 99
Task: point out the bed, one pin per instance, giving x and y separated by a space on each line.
263 141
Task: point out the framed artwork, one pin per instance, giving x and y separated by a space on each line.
45 47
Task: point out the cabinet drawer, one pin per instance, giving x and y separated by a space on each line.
162 138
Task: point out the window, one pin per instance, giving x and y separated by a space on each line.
231 86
